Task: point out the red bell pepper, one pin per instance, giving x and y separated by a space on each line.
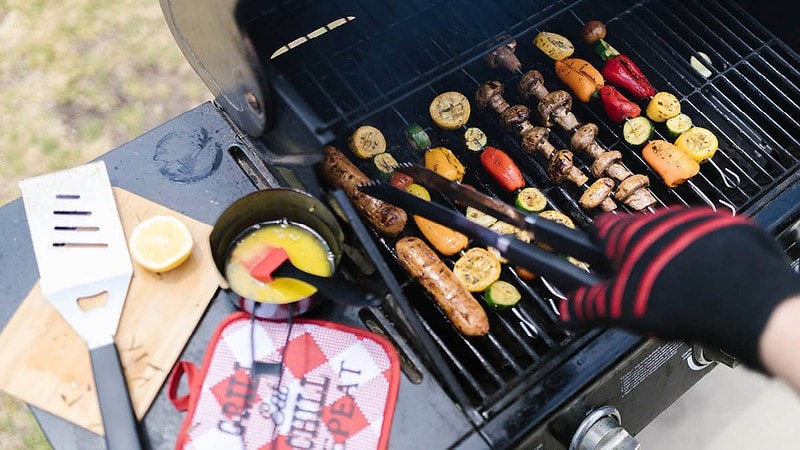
400 180
502 168
617 106
624 73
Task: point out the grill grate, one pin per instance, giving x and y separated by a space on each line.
384 67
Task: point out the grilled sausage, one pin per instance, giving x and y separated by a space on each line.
457 303
669 162
341 173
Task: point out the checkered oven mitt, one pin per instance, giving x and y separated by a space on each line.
337 388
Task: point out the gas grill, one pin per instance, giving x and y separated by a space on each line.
292 76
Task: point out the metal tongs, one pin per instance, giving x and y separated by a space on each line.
562 239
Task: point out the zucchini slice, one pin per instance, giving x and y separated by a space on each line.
554 45
480 217
475 139
637 131
477 269
699 143
386 164
507 228
605 50
502 294
678 125
417 137
663 106
558 217
531 199
419 190
367 141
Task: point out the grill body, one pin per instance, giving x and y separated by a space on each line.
318 70
330 67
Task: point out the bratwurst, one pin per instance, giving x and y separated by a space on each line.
341 173
441 283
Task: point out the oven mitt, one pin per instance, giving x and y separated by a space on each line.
687 273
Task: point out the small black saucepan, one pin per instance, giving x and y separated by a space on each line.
270 206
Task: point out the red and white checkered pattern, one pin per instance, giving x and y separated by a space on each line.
338 388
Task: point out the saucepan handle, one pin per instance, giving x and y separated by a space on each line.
119 420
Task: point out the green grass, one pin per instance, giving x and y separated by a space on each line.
78 78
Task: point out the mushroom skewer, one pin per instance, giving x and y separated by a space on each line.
535 140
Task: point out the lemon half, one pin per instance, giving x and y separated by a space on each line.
160 243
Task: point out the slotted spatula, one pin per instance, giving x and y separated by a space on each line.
82 254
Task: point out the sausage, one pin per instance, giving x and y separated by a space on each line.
441 283
669 162
341 173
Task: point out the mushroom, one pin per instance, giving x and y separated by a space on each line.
532 85
583 140
597 193
504 56
491 94
608 163
556 107
561 168
515 118
633 192
535 141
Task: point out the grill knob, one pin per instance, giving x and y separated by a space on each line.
703 356
602 430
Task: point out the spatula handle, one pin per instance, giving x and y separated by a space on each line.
119 420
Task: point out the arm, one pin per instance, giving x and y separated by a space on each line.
699 276
779 345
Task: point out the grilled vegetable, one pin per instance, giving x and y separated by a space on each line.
458 304
669 162
581 77
385 163
477 268
605 50
417 137
480 217
557 217
502 168
554 45
400 180
593 31
450 110
678 124
524 273
419 191
699 143
337 170
442 161
475 139
445 240
622 72
530 199
663 106
637 131
618 108
507 228
502 294
700 66
367 141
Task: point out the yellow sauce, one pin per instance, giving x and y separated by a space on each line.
307 251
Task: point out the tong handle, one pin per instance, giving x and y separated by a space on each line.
334 288
566 240
564 274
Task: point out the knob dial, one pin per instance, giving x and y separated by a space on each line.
602 429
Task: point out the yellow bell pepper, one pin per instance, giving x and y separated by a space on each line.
581 77
445 240
442 161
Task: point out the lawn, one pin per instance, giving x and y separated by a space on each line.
78 78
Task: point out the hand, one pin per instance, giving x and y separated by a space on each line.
690 274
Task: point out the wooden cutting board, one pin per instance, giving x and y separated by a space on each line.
46 364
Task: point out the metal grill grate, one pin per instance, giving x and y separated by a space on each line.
384 67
